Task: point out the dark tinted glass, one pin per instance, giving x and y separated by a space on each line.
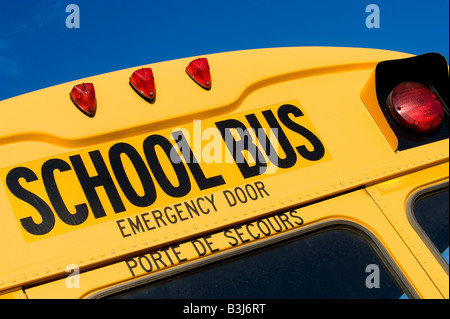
432 214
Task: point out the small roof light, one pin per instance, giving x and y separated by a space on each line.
83 96
144 83
416 107
199 71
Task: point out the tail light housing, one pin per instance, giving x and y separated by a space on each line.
83 96
143 83
408 98
199 71
416 107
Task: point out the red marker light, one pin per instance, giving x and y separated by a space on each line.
199 71
144 83
83 96
416 107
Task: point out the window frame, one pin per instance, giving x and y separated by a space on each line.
410 203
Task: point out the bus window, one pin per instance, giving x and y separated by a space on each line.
334 262
431 212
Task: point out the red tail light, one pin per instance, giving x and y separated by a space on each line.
144 83
83 96
416 107
199 71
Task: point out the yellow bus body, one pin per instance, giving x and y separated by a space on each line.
359 178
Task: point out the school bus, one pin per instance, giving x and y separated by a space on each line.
283 173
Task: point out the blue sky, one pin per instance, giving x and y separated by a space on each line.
37 50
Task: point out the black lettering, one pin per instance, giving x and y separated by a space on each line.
211 201
291 157
198 244
226 193
293 214
244 196
167 255
267 231
255 195
157 259
179 212
237 148
285 220
172 220
192 209
261 188
184 186
228 234
319 151
121 228
146 221
48 218
251 234
136 227
194 167
146 269
237 229
158 218
177 253
90 183
131 264
115 154
200 206
48 177
208 242
279 226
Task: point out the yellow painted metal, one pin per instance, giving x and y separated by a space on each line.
392 198
342 210
324 83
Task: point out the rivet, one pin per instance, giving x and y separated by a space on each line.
112 251
196 227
